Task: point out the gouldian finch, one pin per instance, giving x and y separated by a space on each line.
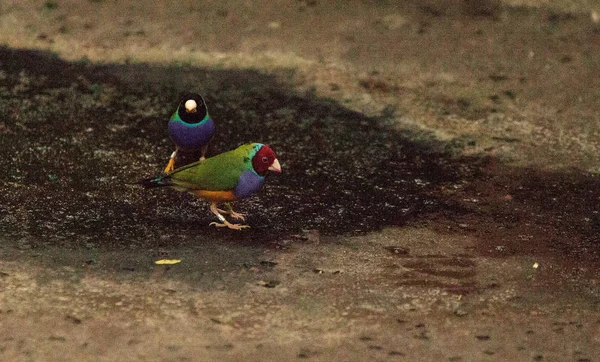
191 128
226 177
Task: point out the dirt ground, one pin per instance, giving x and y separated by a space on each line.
438 199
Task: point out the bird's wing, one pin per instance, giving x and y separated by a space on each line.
218 173
175 116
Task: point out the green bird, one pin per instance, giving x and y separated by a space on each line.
226 177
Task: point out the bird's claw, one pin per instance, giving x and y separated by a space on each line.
237 215
229 225
233 214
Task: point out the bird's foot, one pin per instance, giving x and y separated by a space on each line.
171 165
233 214
229 225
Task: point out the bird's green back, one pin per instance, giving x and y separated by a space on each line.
218 173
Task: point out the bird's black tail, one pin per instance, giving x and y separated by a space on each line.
159 181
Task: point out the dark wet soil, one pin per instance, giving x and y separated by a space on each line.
76 137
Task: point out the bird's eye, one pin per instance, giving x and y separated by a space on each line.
265 159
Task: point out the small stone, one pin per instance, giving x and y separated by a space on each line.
269 284
268 263
398 250
73 319
311 236
459 312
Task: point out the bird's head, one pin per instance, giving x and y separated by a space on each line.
192 108
265 160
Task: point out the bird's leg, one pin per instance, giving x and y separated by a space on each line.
203 152
171 165
229 211
224 222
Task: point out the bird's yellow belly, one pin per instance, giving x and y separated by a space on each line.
217 196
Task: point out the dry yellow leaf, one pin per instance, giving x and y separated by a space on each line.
167 261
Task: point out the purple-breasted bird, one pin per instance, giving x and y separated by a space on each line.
226 177
191 128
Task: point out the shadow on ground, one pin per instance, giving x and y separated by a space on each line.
76 136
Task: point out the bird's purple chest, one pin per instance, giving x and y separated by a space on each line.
191 136
248 183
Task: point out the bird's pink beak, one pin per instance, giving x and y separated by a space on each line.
275 166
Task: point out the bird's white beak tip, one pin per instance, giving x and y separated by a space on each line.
190 105
275 166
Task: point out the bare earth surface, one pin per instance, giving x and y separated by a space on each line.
438 201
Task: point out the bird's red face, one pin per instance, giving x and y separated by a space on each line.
265 160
